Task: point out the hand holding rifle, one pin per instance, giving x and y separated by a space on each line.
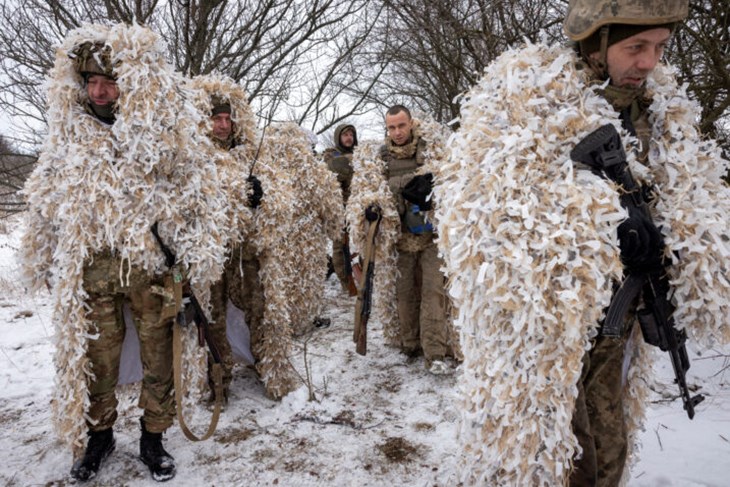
642 253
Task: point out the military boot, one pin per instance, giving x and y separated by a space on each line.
321 322
152 454
100 445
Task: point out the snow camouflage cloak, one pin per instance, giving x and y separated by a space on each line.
263 231
370 187
318 215
531 252
100 187
269 241
232 170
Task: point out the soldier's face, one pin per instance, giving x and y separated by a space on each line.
347 139
631 60
399 127
222 125
102 90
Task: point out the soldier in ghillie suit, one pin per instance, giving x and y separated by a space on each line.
261 196
339 161
529 239
123 153
395 181
232 129
317 216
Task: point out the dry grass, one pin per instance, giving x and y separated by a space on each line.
398 450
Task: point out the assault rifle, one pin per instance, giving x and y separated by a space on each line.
364 302
603 152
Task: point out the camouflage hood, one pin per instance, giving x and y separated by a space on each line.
338 132
225 90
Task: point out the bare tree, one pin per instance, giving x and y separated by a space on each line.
14 169
434 50
701 52
290 55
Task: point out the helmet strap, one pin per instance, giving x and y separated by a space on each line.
604 47
599 65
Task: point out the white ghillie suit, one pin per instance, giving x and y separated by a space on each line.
318 216
232 169
269 237
100 187
263 231
213 91
531 251
370 187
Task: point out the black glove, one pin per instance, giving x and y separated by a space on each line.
257 192
642 245
418 189
372 213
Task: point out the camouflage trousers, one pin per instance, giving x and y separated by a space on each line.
598 420
106 296
219 302
246 292
338 262
421 301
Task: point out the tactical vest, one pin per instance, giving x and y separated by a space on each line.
401 165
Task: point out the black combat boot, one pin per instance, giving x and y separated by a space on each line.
151 452
100 445
321 322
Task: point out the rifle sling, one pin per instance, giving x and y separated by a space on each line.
217 373
178 323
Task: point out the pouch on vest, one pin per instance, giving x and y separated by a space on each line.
415 220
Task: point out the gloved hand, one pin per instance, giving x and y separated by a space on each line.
372 213
257 192
641 244
418 189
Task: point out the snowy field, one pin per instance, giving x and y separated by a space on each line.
375 421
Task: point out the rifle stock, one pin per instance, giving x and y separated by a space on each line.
347 256
365 295
204 334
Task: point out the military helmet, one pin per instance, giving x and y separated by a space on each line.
92 58
584 17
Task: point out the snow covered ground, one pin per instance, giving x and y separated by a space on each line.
377 420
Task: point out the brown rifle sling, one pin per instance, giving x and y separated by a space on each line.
217 373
